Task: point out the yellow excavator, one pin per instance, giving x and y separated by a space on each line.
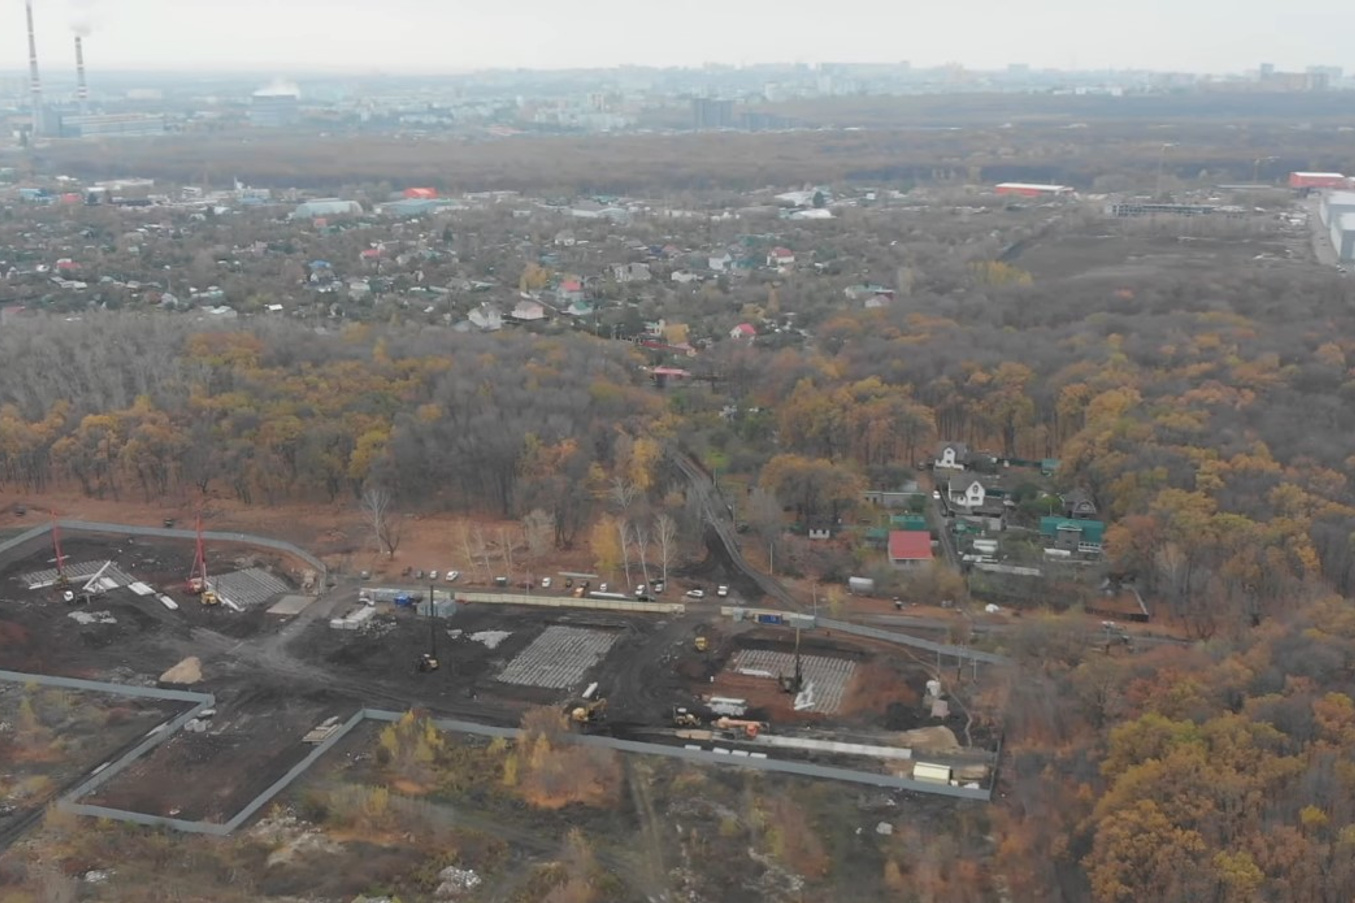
683 717
588 711
701 644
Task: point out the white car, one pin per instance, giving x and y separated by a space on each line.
602 588
545 583
452 576
696 594
432 575
722 591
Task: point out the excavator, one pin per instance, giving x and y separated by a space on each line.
586 711
683 717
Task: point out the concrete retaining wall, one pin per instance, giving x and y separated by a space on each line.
81 526
648 608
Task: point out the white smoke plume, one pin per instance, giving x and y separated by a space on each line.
83 16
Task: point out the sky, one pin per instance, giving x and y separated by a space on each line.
278 36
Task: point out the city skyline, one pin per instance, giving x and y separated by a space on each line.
422 37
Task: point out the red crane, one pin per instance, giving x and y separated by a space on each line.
197 578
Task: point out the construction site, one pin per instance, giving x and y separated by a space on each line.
290 664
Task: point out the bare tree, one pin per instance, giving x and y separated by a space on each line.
623 494
536 531
506 539
387 526
465 542
484 553
642 543
623 529
763 511
666 531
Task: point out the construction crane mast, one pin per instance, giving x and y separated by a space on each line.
61 578
198 583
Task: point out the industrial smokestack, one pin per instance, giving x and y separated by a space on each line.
35 81
81 90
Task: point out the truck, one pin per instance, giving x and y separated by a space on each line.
860 586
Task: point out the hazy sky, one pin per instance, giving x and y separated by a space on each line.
431 35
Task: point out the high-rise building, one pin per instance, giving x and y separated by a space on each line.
274 109
708 113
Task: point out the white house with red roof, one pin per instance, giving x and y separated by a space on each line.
745 331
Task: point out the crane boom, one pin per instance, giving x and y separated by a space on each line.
93 581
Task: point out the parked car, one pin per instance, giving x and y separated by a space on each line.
657 586
545 583
432 575
696 594
722 591
602 588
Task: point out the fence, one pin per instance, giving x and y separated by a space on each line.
648 608
81 526
108 771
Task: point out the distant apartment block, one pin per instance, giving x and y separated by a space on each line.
1030 190
708 113
274 111
113 125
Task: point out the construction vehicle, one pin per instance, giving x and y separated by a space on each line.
701 644
587 711
198 584
750 729
683 717
428 662
1113 635
61 579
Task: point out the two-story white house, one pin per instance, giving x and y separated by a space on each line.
966 492
951 456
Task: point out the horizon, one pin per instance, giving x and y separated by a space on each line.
415 37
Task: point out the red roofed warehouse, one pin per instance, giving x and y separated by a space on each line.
426 194
1318 180
909 548
1027 190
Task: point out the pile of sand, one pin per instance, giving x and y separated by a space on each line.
185 673
930 739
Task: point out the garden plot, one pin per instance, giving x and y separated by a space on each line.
111 578
248 588
827 677
559 658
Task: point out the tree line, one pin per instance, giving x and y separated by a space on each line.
149 405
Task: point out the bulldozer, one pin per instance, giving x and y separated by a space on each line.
427 663
683 717
701 644
584 711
